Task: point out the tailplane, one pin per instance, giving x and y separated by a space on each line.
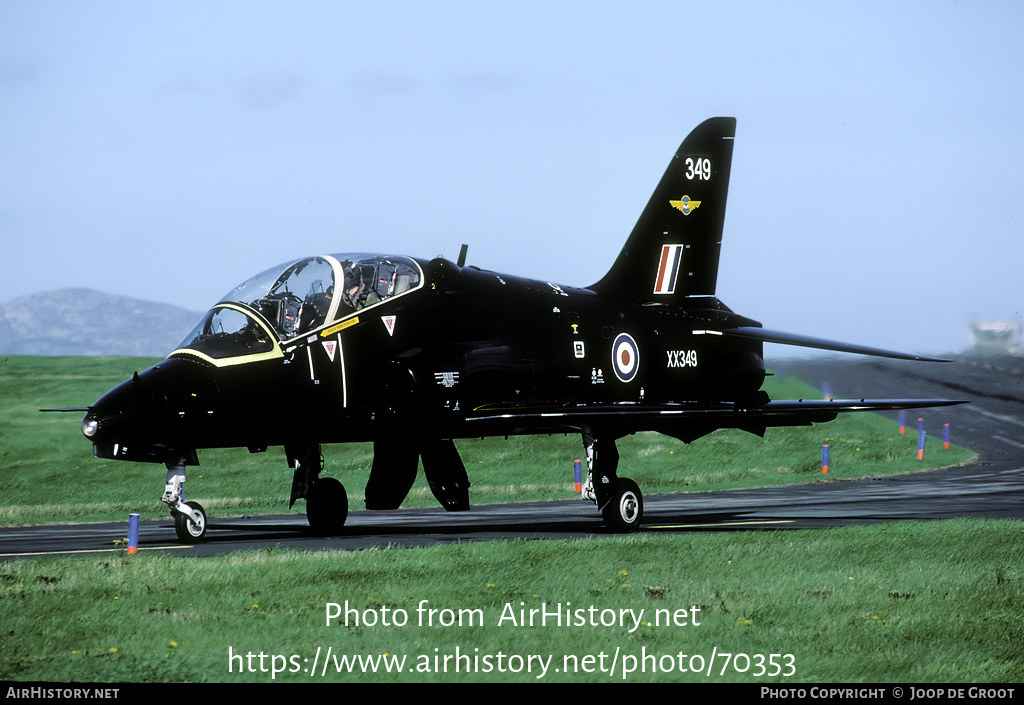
673 251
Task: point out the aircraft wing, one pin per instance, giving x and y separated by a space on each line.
633 417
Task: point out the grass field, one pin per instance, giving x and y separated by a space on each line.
925 602
934 602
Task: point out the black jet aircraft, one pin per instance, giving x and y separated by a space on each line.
411 354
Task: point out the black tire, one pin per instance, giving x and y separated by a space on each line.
186 529
626 510
327 506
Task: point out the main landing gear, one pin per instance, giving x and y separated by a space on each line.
326 499
392 475
618 498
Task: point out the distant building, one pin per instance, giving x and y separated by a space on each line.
996 337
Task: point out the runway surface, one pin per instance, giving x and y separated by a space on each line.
992 424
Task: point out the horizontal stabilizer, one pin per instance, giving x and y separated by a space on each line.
774 336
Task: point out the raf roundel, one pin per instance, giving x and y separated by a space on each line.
625 357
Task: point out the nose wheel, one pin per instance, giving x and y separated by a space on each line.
189 517
192 526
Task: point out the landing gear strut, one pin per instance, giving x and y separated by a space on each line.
326 499
189 517
618 498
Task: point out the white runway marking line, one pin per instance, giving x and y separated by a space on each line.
728 523
998 417
91 550
1007 440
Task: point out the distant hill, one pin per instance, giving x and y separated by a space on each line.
87 322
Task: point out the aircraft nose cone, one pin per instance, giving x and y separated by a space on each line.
122 413
146 417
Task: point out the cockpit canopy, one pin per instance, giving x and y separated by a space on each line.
296 298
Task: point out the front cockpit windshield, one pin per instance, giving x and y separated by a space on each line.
227 332
297 298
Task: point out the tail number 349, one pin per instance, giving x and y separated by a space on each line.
698 169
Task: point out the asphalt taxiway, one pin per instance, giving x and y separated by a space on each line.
993 486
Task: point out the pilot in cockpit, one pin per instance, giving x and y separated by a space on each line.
359 290
368 278
350 292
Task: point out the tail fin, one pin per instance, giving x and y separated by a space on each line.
673 250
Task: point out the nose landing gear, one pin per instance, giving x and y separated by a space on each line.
189 517
192 526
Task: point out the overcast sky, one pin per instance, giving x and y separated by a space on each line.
169 150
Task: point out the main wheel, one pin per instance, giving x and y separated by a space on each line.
188 530
623 514
327 506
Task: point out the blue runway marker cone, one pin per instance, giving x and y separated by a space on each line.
920 439
133 534
903 422
824 460
945 436
579 479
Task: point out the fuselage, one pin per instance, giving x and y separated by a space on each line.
431 344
